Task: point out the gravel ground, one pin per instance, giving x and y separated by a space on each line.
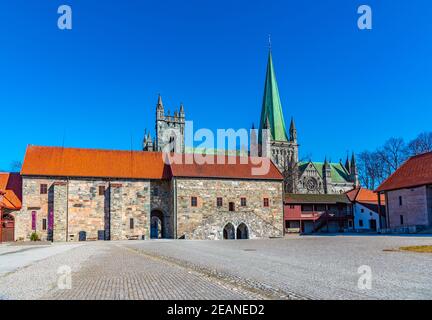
39 275
319 267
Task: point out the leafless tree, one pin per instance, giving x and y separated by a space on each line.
421 144
393 153
371 169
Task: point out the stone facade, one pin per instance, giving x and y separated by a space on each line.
409 207
80 209
207 220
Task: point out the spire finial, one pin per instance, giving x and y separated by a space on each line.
270 43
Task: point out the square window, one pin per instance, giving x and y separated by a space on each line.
43 189
194 201
101 190
266 202
243 202
219 202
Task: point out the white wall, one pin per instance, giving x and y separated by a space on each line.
366 215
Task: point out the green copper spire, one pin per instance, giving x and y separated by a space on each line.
272 107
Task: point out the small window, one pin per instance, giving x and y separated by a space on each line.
194 201
219 202
243 202
156 192
44 224
43 189
401 220
361 223
400 200
131 223
231 206
266 202
362 210
101 190
292 206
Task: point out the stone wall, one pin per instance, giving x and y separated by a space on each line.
79 209
413 208
207 220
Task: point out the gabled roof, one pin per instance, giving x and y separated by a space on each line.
92 163
416 171
339 174
272 106
363 195
74 162
11 189
234 167
316 198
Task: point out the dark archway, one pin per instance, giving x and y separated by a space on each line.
242 231
157 225
229 232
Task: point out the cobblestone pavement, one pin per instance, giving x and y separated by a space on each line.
318 267
122 273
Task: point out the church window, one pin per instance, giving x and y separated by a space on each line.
266 202
43 189
219 202
101 190
194 201
243 202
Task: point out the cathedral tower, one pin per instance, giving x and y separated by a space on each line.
281 147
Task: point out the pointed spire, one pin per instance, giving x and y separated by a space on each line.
347 164
160 103
181 108
353 162
293 131
271 107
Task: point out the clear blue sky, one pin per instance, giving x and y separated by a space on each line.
97 84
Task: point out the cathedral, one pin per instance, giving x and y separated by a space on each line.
302 177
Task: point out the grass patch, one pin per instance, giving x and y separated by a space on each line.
422 249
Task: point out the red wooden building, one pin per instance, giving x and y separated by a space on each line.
309 213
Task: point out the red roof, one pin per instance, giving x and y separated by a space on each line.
73 162
231 167
417 171
363 195
11 190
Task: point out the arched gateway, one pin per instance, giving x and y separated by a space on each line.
157 225
242 231
229 232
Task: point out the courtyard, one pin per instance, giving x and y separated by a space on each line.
312 267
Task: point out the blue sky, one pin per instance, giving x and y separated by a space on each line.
96 85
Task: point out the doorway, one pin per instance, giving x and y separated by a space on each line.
156 225
229 232
242 231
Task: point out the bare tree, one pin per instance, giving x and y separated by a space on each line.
372 170
421 144
393 154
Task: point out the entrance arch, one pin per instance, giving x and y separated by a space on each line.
242 231
157 225
229 232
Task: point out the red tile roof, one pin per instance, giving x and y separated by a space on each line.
233 167
363 195
73 162
417 171
11 190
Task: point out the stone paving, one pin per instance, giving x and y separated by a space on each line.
122 273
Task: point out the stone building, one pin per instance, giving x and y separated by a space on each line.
82 194
10 203
408 195
169 131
